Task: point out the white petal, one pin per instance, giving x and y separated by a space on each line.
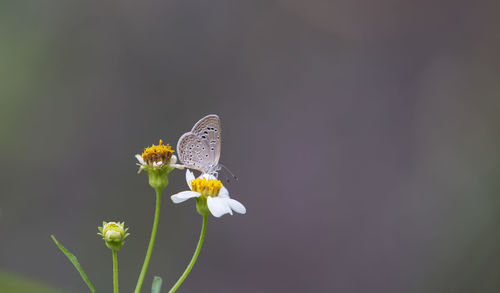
189 177
236 206
218 206
208 176
223 192
139 158
183 196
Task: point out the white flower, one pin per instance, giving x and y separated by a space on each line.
209 193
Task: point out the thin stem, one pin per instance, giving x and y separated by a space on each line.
151 243
193 259
115 272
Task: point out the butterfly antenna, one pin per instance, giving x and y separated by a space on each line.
229 171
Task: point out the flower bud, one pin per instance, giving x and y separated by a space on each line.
113 234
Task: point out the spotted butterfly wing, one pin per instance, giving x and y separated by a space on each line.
200 148
208 128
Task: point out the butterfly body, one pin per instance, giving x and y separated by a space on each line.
200 148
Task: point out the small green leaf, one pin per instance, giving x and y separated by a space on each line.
75 262
156 285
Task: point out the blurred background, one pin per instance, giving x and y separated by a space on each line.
365 135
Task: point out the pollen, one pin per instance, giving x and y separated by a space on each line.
206 187
157 154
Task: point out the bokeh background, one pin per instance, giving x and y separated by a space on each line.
365 135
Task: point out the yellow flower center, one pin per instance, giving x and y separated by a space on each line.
157 153
206 187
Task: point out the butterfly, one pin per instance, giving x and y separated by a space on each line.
199 148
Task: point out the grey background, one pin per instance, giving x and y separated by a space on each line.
364 135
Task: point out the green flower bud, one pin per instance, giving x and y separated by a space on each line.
113 234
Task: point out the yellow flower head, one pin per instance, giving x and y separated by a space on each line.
157 154
206 187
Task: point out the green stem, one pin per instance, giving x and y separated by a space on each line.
115 272
151 243
195 256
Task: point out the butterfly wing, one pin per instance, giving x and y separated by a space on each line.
200 148
208 129
193 152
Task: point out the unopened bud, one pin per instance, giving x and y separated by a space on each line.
113 234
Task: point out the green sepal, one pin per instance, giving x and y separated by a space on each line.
156 285
158 177
201 206
75 263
